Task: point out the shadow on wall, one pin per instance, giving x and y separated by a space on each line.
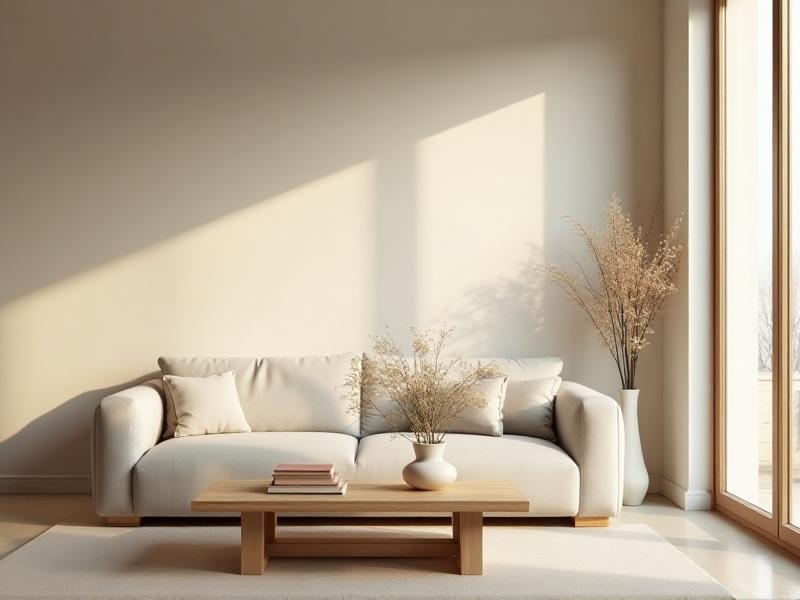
56 440
510 308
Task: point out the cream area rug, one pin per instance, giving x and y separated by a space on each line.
202 562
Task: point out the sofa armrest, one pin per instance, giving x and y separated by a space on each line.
589 427
126 425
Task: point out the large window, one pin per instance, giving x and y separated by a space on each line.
758 266
748 250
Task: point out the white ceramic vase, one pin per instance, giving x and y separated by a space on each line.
429 471
636 479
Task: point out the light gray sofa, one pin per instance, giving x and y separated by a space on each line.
136 473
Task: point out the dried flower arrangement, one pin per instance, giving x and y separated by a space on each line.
426 392
631 285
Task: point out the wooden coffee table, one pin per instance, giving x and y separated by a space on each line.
466 501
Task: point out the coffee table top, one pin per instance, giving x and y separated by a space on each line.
244 495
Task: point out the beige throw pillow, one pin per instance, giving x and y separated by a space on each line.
246 371
528 408
489 419
204 405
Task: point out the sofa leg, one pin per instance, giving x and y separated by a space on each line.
590 521
123 521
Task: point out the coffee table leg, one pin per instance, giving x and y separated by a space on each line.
270 527
470 542
253 556
456 527
270 531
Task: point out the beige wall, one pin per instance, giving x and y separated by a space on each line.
233 178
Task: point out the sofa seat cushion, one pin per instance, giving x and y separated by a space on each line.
540 469
176 470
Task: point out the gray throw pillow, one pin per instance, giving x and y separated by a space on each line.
528 408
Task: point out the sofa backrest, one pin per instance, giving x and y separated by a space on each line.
517 369
521 369
305 394
282 393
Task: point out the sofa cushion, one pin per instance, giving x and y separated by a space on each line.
280 394
528 407
204 405
542 470
176 470
305 394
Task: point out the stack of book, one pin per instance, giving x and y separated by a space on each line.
306 479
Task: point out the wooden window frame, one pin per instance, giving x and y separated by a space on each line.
775 525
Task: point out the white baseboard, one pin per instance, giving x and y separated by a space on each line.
45 484
686 499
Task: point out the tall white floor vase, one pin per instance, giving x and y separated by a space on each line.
636 479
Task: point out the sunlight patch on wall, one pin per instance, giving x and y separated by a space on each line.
480 192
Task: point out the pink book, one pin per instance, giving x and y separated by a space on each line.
303 468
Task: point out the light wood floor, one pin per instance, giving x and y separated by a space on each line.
737 558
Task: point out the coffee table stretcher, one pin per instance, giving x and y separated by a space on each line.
260 542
